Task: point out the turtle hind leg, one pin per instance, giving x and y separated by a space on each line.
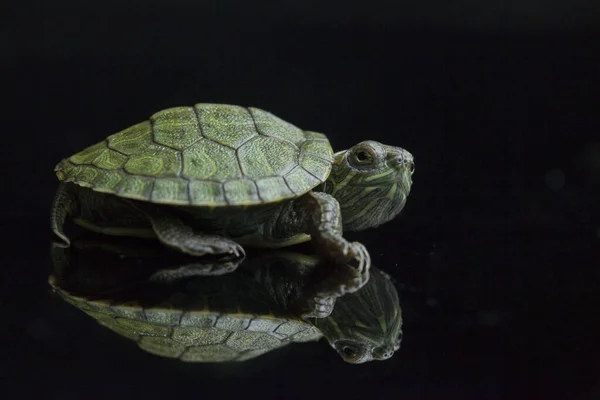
65 204
171 231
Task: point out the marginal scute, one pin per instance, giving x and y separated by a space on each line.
122 310
165 318
241 191
207 193
273 188
86 175
161 346
263 325
270 125
175 127
230 126
198 319
136 187
298 180
97 307
306 335
214 353
231 323
318 148
316 166
121 330
265 156
208 160
108 181
171 191
250 354
289 329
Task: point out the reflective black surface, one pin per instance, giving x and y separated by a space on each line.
495 255
272 299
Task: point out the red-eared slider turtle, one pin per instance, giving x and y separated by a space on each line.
269 302
212 178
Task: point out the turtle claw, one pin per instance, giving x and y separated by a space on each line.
238 251
200 245
353 254
235 251
361 259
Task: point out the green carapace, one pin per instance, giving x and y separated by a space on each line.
212 178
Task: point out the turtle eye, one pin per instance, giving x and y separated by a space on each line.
362 157
349 351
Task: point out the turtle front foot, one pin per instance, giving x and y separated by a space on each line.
353 254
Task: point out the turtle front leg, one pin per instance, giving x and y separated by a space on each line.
323 218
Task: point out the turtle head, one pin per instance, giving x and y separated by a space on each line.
365 325
371 181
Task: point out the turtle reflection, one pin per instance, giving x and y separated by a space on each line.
271 300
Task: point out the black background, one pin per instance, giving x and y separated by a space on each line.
496 257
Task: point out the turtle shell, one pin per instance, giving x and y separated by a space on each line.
196 331
205 155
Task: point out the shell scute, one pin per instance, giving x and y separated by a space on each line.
230 126
207 160
175 127
269 125
264 156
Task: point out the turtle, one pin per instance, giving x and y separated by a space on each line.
212 179
271 301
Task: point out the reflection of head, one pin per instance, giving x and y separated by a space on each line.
366 325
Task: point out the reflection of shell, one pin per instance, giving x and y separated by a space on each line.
196 334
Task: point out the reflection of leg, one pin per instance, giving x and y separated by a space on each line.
195 269
320 297
171 231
